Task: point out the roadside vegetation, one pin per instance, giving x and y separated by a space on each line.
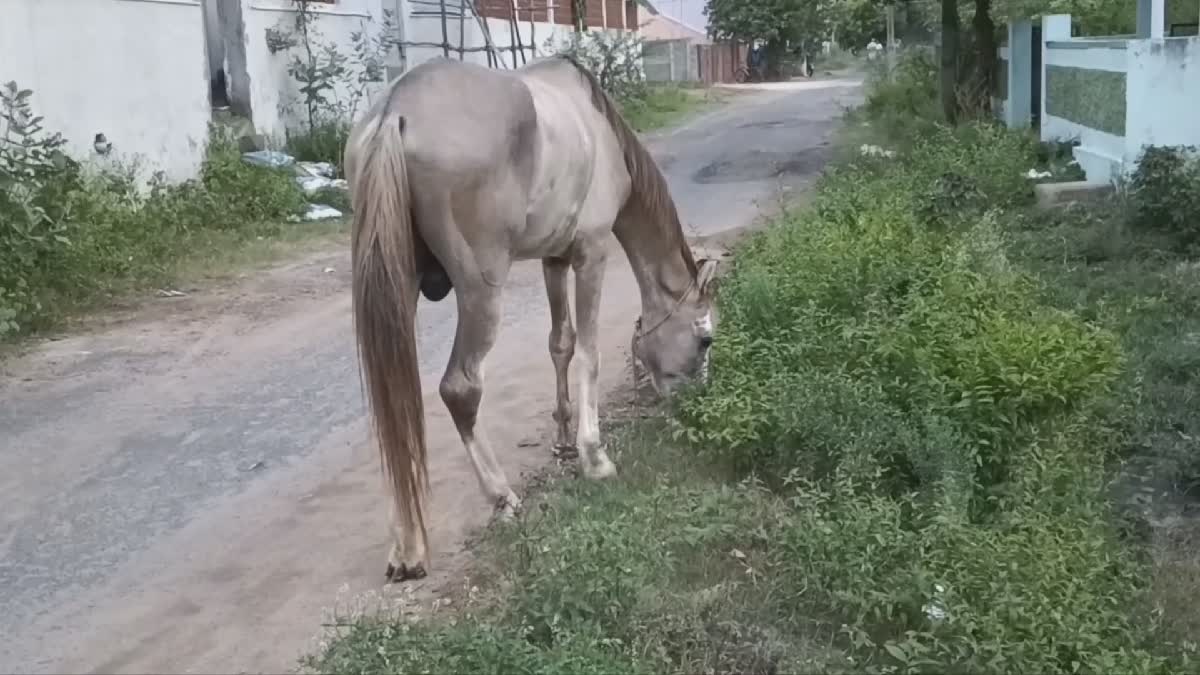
945 432
74 235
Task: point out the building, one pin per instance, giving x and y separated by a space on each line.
151 75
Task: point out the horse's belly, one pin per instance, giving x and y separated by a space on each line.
547 234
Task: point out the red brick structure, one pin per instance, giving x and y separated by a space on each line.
614 13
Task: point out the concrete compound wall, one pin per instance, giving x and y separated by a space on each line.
274 96
1163 96
134 70
1116 96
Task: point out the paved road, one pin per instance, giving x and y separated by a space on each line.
185 489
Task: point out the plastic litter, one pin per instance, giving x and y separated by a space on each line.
321 212
319 169
311 184
268 158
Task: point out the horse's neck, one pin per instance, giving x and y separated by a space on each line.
658 265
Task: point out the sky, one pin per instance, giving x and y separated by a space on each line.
690 12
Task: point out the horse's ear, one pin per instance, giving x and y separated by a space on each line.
705 277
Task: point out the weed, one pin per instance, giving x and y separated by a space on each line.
73 235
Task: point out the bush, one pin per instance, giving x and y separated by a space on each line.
938 431
324 142
68 231
908 102
614 58
1165 193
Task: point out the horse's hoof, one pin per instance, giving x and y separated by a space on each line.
404 572
599 469
565 451
507 507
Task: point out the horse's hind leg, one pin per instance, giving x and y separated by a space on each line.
562 345
589 277
462 387
406 561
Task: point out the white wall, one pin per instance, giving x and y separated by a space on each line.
274 95
275 98
134 70
1100 154
1163 94
425 28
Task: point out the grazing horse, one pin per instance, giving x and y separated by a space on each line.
456 173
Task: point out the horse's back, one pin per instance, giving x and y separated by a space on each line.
461 117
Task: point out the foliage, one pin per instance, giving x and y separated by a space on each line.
1165 192
1093 17
768 20
614 58
909 96
332 85
662 106
69 233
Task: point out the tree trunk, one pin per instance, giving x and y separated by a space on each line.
949 66
985 43
776 50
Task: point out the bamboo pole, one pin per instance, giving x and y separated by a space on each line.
445 31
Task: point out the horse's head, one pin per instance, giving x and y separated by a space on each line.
674 348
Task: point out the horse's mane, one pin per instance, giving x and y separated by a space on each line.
649 186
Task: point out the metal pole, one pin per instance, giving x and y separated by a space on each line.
462 29
891 42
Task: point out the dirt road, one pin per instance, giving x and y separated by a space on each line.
186 490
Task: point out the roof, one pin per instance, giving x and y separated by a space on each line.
663 27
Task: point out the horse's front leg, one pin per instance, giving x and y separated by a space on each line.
462 388
589 277
562 347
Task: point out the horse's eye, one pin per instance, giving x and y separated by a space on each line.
706 342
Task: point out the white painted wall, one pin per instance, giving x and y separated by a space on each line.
424 28
134 70
274 95
1163 94
1100 154
1162 91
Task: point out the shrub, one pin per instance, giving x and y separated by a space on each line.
324 142
908 102
911 351
614 58
1165 193
937 430
68 231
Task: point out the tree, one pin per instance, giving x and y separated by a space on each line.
776 22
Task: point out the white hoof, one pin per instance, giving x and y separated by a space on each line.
508 506
599 468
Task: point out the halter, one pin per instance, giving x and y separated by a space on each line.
638 333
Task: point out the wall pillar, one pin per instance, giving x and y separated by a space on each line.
1020 74
1151 19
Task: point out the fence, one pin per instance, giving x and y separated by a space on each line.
719 62
670 60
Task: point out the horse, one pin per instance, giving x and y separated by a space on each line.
457 172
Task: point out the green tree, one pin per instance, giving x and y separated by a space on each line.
776 22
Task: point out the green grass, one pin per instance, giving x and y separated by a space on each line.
664 106
79 239
1144 287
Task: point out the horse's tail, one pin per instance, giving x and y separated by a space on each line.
385 307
